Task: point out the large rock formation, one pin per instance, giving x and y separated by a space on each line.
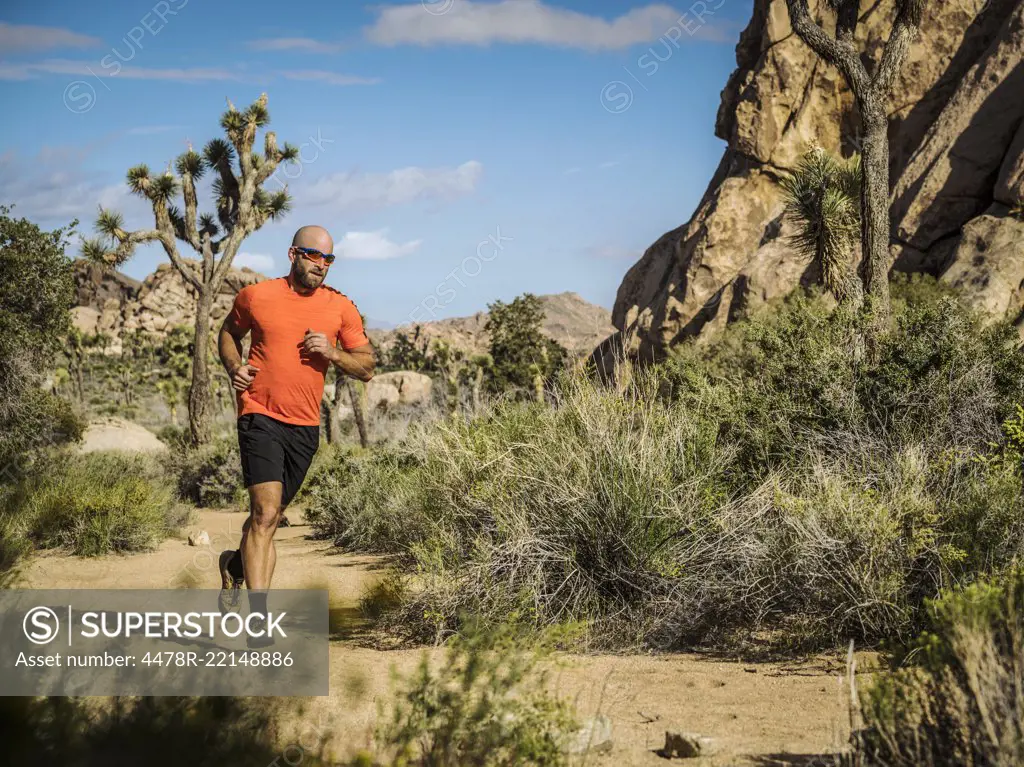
957 133
111 303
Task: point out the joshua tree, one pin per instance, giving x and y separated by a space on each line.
243 206
823 200
482 364
872 91
171 390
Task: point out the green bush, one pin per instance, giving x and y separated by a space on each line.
484 705
960 698
210 475
767 480
92 504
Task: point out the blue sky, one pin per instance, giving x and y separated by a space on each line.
460 151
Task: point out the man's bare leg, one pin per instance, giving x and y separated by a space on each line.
259 555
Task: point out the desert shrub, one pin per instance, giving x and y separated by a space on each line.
36 295
328 472
959 698
93 504
209 475
485 705
767 480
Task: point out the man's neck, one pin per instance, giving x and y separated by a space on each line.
297 287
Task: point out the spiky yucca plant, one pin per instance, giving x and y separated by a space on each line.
823 200
873 85
242 206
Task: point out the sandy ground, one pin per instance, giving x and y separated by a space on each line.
755 713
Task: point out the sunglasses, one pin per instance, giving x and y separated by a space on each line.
315 255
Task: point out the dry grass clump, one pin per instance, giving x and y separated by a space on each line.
768 480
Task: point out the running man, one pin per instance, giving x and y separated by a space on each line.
296 323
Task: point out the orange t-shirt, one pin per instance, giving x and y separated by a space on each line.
288 387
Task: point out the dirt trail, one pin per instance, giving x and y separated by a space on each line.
761 714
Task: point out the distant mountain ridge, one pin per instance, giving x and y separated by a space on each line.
570 319
112 303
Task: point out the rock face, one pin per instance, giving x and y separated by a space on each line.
957 170
111 303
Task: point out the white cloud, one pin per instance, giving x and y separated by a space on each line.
331 78
472 22
373 246
259 262
94 69
609 164
24 37
353 191
52 188
572 171
294 44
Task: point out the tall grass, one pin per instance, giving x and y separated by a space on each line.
959 698
768 481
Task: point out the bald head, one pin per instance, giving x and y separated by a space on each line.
313 237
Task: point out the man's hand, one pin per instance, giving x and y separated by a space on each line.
243 376
317 343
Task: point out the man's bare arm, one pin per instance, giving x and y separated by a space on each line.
358 362
229 344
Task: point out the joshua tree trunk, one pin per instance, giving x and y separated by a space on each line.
478 381
872 91
875 208
358 412
199 391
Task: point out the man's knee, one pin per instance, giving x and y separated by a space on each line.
265 516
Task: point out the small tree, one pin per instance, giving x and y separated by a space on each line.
36 295
517 342
823 200
242 205
872 92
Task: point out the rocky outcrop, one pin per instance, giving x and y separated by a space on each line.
955 127
113 304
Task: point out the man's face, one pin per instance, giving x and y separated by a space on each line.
309 271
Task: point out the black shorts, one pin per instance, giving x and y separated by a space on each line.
273 451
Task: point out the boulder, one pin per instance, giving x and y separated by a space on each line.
413 388
121 435
85 319
684 745
199 538
595 736
381 395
